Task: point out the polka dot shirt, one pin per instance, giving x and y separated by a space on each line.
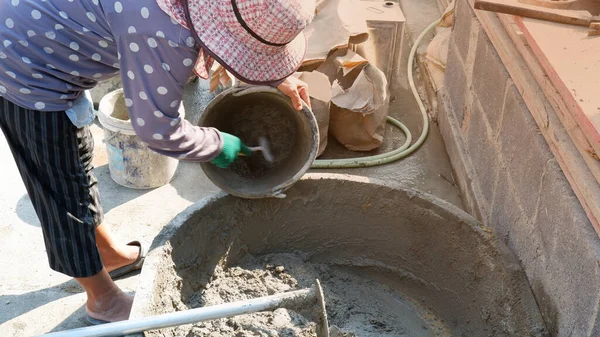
51 51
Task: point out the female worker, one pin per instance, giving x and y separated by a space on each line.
51 51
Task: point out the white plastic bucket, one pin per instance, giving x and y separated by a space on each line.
131 163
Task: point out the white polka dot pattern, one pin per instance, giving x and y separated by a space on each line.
153 53
134 47
152 42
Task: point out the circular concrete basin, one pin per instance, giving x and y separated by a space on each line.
454 276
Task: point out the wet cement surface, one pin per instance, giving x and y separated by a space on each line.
356 304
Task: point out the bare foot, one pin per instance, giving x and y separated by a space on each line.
112 307
114 257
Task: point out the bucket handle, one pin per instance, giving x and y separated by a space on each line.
111 137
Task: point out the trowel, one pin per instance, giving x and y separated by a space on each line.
304 299
265 147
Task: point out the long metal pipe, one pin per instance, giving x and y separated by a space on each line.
293 299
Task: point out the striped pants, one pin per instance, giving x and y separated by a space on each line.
55 162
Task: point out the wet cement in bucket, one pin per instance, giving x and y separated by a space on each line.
356 305
252 113
263 120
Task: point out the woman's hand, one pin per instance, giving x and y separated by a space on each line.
296 90
232 149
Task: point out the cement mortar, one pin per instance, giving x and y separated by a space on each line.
421 248
263 120
357 306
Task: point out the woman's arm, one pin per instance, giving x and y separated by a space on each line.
154 71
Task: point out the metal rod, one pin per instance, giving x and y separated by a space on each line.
269 303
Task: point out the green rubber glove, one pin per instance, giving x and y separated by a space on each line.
232 149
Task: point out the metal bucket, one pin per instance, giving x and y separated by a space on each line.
253 112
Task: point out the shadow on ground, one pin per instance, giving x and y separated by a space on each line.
14 304
111 194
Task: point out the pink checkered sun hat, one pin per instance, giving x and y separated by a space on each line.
258 41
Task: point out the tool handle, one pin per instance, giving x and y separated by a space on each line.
578 18
253 149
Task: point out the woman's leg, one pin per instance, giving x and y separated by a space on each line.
114 254
54 160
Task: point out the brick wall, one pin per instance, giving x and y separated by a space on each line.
511 181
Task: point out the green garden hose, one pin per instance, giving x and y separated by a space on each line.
404 150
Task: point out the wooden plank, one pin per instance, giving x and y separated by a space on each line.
586 150
580 177
580 18
593 32
571 66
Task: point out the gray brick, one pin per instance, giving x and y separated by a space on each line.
565 281
463 19
482 152
456 82
506 214
489 79
524 150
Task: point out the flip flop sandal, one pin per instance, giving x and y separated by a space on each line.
94 321
136 265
